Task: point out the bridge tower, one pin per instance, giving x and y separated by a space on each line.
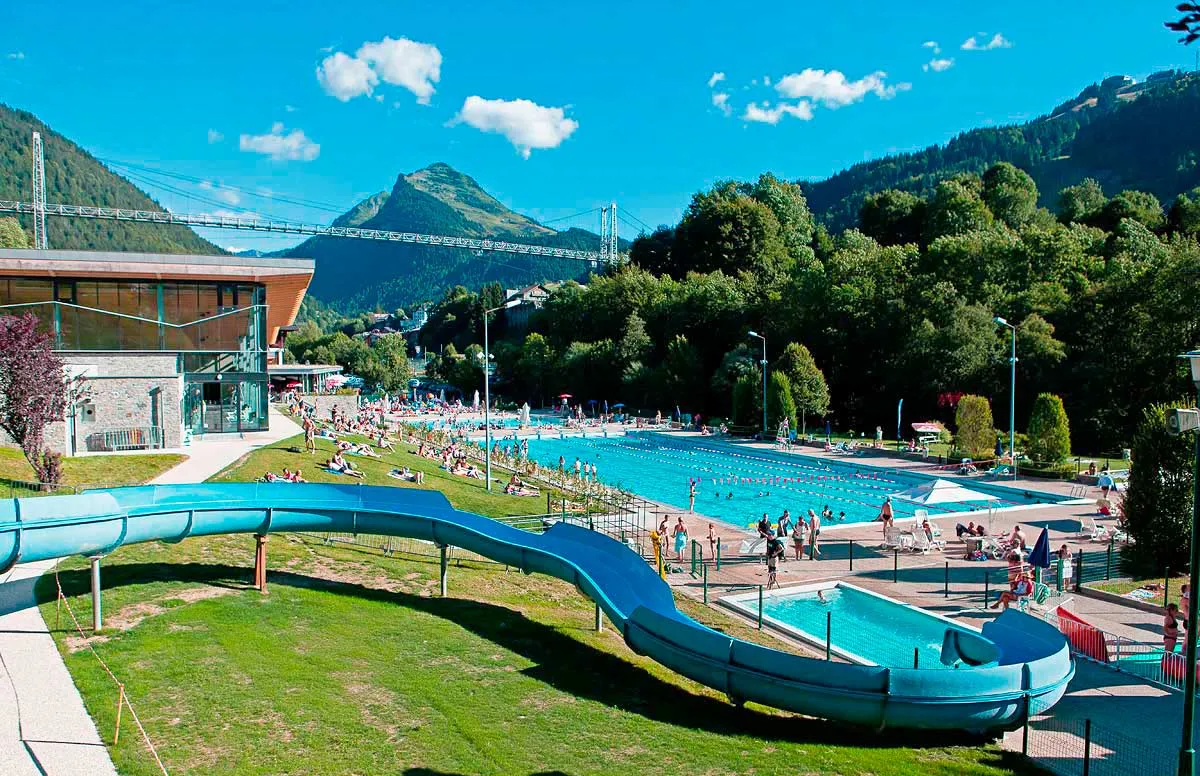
39 195
609 246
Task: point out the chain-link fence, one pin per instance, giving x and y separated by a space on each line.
1070 746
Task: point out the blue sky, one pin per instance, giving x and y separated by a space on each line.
553 107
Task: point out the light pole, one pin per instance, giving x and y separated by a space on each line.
1012 396
1187 747
487 402
764 371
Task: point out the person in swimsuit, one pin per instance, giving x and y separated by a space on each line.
712 540
1021 588
886 515
785 525
814 535
799 534
1170 627
692 496
680 536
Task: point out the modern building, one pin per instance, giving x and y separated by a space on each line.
168 345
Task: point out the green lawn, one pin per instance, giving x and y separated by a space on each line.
90 469
1123 586
353 665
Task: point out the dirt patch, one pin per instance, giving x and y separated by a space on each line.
129 616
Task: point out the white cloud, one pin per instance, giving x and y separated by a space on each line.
938 65
974 43
401 62
932 44
17 55
226 195
720 101
294 145
346 77
833 90
526 124
715 79
768 115
214 136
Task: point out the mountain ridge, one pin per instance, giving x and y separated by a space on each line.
1075 140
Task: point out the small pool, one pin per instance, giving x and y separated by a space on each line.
865 627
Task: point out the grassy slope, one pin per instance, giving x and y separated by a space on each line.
91 470
353 665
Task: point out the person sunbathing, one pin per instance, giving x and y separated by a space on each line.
270 477
1022 587
340 465
363 449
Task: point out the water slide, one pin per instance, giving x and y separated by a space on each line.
1017 657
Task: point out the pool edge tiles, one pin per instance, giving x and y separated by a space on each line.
747 604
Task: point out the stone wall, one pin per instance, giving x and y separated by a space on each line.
127 391
347 404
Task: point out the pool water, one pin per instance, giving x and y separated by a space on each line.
875 629
476 424
738 484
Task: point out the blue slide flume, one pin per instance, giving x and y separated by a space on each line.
1018 661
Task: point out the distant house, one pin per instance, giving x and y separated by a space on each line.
521 303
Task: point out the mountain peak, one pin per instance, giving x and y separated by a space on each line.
464 194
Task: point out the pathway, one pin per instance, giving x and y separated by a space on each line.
44 728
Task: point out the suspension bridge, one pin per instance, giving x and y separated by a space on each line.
608 251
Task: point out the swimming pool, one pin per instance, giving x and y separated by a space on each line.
476 424
864 627
737 484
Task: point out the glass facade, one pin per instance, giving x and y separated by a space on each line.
218 330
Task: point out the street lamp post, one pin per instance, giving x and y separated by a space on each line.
764 371
487 401
1187 747
1012 396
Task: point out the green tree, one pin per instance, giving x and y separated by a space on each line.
535 367
893 217
1081 203
635 342
956 208
976 432
808 387
1184 216
684 376
1010 194
747 400
1139 206
11 234
725 230
780 404
786 201
394 369
1157 502
1049 431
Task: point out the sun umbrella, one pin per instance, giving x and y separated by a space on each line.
292 384
565 396
941 492
619 405
1039 557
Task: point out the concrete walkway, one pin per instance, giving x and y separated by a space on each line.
44 728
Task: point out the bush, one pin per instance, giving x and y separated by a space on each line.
747 401
1158 499
1049 431
780 404
976 432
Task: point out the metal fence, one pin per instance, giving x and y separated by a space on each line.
1081 747
125 438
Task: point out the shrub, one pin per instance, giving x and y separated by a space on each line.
780 403
1158 499
1049 431
976 432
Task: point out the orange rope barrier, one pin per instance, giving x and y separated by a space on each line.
123 698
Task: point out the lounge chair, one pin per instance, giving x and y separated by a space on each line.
922 543
1092 532
1001 470
920 516
894 539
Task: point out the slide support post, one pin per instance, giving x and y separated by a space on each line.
97 618
442 548
260 563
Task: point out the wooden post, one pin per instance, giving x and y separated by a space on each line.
260 563
97 619
442 548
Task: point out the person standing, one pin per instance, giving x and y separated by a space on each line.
814 535
1185 595
680 535
1170 627
775 553
785 525
691 495
799 533
578 467
310 435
